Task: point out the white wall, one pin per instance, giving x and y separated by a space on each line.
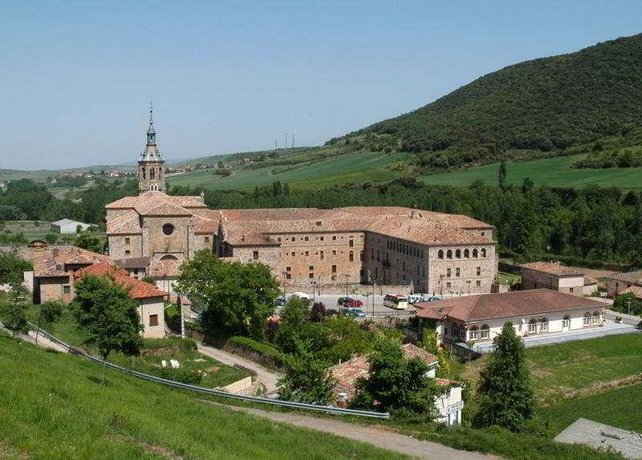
449 405
148 307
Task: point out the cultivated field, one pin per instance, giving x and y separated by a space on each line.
619 407
310 174
55 406
32 230
553 172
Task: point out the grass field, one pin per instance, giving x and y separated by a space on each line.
350 168
560 370
55 406
32 230
153 352
553 172
619 407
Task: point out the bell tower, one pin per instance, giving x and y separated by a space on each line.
151 164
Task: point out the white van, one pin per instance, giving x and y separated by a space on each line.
396 301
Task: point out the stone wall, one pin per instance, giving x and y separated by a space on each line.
535 279
468 270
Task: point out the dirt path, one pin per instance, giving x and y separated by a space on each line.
376 436
265 376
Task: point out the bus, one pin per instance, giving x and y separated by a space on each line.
396 301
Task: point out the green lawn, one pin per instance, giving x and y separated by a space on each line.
55 406
560 369
152 353
349 168
508 278
553 172
620 407
32 230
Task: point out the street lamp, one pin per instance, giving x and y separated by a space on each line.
313 283
285 274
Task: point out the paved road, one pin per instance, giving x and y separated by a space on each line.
265 376
376 435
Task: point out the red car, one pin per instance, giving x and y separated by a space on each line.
354 303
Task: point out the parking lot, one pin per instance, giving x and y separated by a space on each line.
376 309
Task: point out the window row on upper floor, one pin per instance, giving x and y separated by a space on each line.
403 248
457 253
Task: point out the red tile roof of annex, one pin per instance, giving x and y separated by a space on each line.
504 305
137 289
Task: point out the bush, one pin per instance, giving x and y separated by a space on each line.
183 375
184 345
173 318
264 351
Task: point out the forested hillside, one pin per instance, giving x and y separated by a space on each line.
544 105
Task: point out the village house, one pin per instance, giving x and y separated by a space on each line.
423 251
480 318
151 306
449 404
623 283
558 277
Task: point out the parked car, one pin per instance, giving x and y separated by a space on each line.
301 295
414 298
432 298
354 303
280 301
344 300
353 312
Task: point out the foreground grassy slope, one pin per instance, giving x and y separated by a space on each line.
612 407
342 169
553 172
55 406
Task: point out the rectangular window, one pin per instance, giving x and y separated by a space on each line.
322 255
288 276
127 240
307 253
474 334
334 237
311 268
153 320
333 277
66 289
311 275
288 269
532 327
448 285
334 269
351 243
478 283
322 238
207 239
485 332
570 290
448 272
307 238
127 252
334 253
255 255
478 271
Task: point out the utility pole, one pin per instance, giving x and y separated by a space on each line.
628 302
286 141
292 140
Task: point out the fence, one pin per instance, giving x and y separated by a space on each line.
210 391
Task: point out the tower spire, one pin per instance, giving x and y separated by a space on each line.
151 169
151 132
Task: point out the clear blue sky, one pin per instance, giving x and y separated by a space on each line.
225 76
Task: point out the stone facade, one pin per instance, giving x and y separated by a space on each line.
551 275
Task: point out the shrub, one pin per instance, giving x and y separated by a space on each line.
173 318
183 375
270 354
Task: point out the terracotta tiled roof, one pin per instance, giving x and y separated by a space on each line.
553 268
133 262
163 209
125 224
56 262
629 277
504 305
136 201
424 227
588 281
137 289
346 374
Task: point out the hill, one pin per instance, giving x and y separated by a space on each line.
543 105
56 406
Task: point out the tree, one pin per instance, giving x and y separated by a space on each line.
236 298
317 312
505 395
12 267
108 314
13 314
306 379
501 179
625 303
396 384
90 242
49 313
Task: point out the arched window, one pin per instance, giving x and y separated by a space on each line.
532 326
475 253
596 318
351 256
483 252
455 331
473 333
587 319
440 254
144 173
466 254
543 324
457 271
449 254
458 254
168 257
566 321
485 331
152 173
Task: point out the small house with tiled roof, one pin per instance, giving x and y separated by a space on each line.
622 283
479 318
53 270
151 308
553 275
449 404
